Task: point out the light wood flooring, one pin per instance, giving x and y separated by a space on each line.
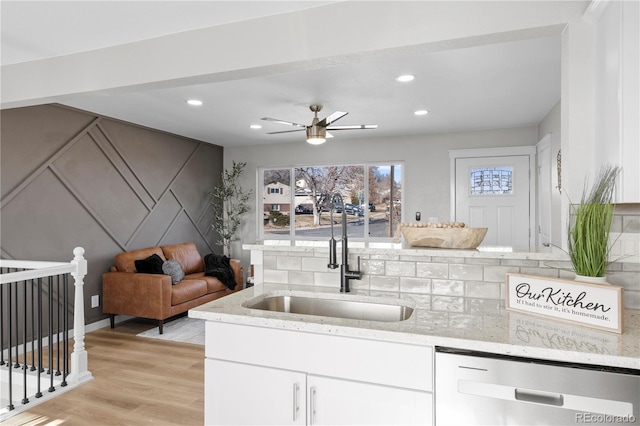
136 381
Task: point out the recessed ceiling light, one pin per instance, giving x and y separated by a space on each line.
194 102
421 112
405 78
255 126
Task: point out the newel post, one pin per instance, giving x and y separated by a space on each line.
79 358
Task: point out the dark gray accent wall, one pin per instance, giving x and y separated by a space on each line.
72 178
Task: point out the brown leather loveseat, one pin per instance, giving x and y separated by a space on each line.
153 295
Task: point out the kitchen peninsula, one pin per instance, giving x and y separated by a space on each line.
457 302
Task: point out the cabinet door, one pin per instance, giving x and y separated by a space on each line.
243 394
337 402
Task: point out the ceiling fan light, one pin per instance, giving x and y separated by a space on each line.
316 140
316 135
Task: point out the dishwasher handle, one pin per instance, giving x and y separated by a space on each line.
538 397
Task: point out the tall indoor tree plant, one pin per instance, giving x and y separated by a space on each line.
590 225
229 202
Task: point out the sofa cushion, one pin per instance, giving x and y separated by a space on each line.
187 290
172 268
150 265
125 262
187 254
213 284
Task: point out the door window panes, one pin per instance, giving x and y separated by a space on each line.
491 181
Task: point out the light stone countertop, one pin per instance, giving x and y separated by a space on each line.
489 329
403 249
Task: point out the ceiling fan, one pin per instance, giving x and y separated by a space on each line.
317 131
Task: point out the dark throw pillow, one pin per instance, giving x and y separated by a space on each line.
173 268
150 265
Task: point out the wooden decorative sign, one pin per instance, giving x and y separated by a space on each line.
593 305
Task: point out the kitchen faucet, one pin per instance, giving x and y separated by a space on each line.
345 273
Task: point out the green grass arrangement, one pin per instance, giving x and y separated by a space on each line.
590 224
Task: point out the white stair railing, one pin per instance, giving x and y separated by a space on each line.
34 313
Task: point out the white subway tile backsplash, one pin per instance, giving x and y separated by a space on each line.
384 283
448 287
373 267
315 264
270 261
432 270
447 284
400 269
465 272
498 273
326 279
275 276
520 262
302 278
289 263
483 290
415 285
543 272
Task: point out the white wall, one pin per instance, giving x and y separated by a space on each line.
426 161
551 124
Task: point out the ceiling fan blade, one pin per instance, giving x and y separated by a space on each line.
285 131
288 123
354 127
332 118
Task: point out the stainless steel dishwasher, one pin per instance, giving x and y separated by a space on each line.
477 388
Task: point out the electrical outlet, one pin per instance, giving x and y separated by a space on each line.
95 301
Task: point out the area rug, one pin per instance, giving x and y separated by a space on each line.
183 329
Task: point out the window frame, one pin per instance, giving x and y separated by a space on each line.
291 236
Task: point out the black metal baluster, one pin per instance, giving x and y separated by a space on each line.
25 367
58 325
65 316
50 363
17 330
39 367
9 362
33 325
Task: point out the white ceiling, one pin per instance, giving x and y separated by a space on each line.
492 86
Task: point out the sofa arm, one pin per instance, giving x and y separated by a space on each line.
136 294
238 273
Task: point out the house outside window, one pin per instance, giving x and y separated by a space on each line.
371 199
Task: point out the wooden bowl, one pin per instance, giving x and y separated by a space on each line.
455 238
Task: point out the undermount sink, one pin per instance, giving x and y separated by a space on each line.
349 309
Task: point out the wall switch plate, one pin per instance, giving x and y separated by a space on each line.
95 301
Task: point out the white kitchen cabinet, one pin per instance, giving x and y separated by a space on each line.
244 394
261 375
617 62
341 402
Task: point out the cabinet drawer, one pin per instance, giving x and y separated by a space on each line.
392 364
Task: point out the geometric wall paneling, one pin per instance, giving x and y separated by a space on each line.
38 135
79 179
120 165
195 198
102 190
155 157
183 229
46 221
153 228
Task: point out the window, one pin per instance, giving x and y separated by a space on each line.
491 181
275 207
372 205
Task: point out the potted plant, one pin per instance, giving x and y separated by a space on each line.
229 203
590 225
